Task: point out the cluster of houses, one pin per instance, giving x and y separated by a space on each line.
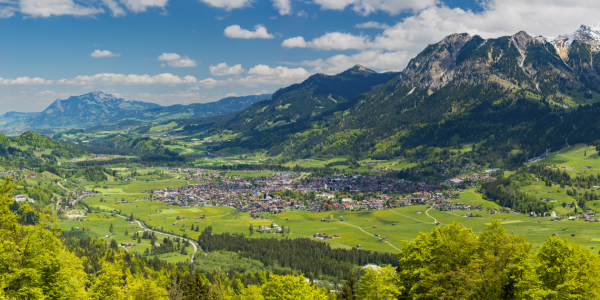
325 236
336 192
467 178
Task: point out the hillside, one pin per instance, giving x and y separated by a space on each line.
13 118
59 149
191 111
503 99
300 102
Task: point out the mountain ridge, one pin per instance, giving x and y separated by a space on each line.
461 90
98 108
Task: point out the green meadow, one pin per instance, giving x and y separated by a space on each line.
353 227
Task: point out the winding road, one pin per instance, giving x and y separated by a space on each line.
168 234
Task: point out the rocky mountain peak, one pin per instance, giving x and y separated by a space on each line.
589 35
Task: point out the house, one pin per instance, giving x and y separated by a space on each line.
374 226
20 198
358 246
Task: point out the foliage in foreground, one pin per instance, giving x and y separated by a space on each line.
450 262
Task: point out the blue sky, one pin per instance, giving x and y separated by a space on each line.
187 51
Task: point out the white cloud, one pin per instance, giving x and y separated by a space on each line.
223 69
46 8
284 7
105 79
228 4
7 11
286 74
329 41
392 48
295 42
104 53
372 24
45 93
24 81
115 9
375 59
261 75
236 32
138 6
365 7
302 14
231 95
177 61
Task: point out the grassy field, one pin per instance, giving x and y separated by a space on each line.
354 227
577 157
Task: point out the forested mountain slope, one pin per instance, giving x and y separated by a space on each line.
300 102
510 93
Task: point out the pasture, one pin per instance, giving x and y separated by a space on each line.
353 227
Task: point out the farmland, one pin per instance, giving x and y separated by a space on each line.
353 227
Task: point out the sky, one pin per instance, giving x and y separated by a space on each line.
196 51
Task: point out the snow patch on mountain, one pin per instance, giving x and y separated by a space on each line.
589 35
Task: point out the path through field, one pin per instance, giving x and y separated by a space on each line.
427 212
167 234
363 231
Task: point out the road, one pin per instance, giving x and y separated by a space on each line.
192 242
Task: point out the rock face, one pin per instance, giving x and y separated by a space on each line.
518 61
588 35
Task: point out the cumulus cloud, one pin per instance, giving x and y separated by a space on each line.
365 7
395 45
223 69
261 75
177 61
138 6
414 33
46 8
105 79
302 14
237 32
7 11
329 41
371 24
228 4
295 42
284 7
115 9
375 59
104 53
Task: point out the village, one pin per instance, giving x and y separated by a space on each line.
282 191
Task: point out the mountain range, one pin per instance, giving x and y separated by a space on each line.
505 98
98 108
498 100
